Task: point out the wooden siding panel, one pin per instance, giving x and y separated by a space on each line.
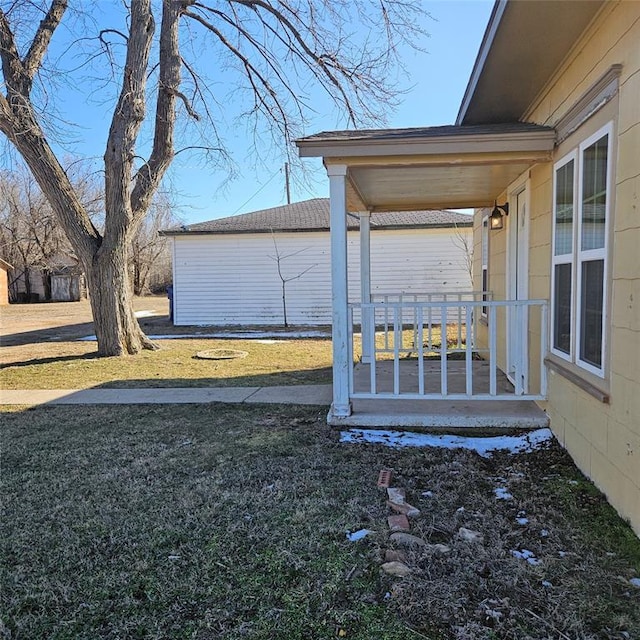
233 279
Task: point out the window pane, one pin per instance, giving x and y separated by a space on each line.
562 308
591 305
594 194
564 210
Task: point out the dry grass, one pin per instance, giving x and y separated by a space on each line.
229 522
41 351
74 365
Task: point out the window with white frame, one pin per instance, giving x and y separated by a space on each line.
485 262
580 222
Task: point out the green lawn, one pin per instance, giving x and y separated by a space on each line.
223 521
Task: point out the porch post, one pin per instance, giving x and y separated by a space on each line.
341 330
365 284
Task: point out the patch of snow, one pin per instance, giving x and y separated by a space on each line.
241 335
522 521
460 510
358 535
485 447
544 533
574 482
527 555
635 582
546 583
562 554
491 613
427 494
146 313
502 494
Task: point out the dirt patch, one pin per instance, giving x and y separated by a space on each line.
23 324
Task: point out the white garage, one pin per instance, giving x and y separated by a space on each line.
232 271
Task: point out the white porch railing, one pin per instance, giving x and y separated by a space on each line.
431 314
407 339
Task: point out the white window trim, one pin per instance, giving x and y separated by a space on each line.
578 256
594 254
568 258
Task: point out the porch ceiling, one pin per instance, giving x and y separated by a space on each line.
431 168
428 187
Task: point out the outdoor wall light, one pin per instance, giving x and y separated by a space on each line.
495 219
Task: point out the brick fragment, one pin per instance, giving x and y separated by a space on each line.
384 478
396 495
398 523
398 569
404 508
395 555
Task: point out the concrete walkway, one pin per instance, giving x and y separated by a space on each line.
310 394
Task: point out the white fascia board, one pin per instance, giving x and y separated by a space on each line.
477 143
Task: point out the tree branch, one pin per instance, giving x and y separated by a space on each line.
128 117
38 48
148 177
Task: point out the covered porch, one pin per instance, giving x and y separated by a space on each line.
411 358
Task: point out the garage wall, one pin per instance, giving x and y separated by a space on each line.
233 279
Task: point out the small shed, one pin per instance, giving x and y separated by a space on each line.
67 284
5 267
236 270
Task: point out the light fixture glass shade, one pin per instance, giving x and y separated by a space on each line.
495 219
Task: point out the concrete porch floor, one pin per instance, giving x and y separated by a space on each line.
454 416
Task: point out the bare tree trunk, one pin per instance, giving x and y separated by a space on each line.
284 303
46 284
27 281
103 256
115 325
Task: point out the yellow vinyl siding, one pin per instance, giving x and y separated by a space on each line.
603 439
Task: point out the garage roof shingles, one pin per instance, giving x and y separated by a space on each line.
313 215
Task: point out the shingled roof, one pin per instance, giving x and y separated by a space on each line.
442 131
313 215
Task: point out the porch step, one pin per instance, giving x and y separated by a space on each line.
480 417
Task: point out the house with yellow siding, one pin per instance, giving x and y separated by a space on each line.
546 149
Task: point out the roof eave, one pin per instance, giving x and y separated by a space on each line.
524 45
541 139
374 227
481 59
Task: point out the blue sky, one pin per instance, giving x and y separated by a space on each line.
437 78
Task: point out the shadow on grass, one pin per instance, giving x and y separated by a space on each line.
50 334
53 359
322 375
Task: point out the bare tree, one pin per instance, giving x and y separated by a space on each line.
279 259
278 48
150 260
30 237
463 239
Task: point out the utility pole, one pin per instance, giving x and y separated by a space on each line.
286 181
